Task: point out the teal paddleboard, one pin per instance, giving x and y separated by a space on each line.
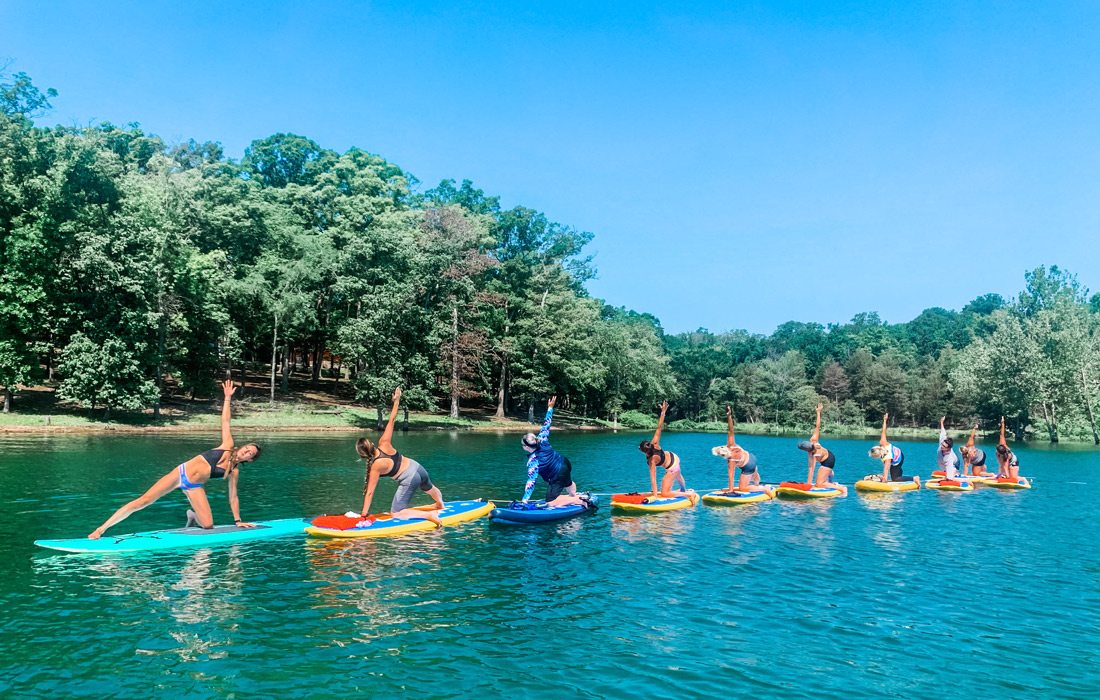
181 537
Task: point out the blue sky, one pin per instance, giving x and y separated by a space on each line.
741 164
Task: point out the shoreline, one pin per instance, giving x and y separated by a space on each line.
437 423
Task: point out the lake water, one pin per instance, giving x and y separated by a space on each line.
983 594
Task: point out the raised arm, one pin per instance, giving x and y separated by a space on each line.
970 440
227 410
943 430
817 428
544 434
731 441
660 425
882 439
387 435
1003 441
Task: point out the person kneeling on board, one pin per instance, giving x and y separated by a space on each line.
669 461
222 462
546 462
1007 462
892 458
823 457
946 459
974 457
383 460
738 457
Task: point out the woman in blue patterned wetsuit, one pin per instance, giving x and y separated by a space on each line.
190 477
546 462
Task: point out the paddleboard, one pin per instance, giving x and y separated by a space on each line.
798 490
735 498
886 486
385 525
947 485
1008 483
537 512
181 537
938 474
646 503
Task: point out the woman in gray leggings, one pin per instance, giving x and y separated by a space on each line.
383 459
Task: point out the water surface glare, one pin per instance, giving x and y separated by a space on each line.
990 593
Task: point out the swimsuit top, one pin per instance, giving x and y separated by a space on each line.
667 458
396 457
829 460
212 458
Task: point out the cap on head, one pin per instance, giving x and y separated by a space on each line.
530 440
806 446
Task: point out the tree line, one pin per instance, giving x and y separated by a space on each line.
1034 359
131 269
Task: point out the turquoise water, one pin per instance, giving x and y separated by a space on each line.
979 594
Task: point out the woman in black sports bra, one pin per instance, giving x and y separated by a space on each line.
191 477
669 461
820 456
383 460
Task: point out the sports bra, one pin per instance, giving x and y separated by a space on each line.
667 458
396 457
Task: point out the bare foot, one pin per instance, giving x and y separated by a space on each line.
96 534
435 519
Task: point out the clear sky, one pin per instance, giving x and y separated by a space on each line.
740 163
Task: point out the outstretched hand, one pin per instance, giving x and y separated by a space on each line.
664 406
228 388
819 407
397 394
552 402
729 411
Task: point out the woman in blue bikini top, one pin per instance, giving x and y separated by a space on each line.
190 477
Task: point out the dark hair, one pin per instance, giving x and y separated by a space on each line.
949 442
646 446
1003 450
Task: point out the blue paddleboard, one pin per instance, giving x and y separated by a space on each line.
181 537
536 512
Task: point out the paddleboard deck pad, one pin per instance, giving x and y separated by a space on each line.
518 513
385 525
181 537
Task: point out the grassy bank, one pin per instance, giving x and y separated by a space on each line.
38 410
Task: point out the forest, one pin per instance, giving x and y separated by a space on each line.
133 270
